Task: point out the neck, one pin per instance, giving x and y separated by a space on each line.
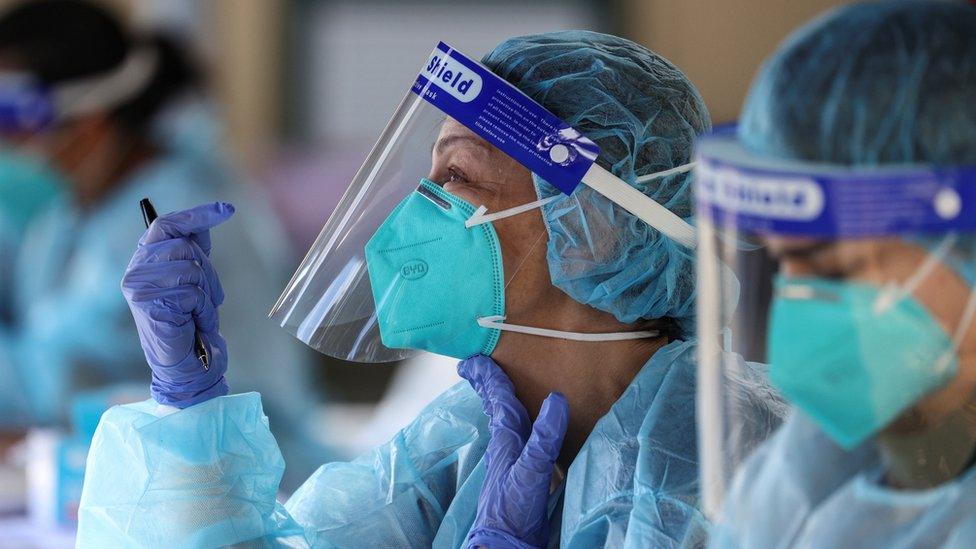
104 170
931 456
592 375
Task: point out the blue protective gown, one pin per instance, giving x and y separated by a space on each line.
72 330
207 476
801 490
24 193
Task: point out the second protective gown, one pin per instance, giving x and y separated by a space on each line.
802 490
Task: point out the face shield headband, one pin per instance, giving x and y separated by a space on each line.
735 188
27 105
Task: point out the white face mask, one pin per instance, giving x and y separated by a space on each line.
482 216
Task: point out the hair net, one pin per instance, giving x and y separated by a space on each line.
644 114
869 84
877 83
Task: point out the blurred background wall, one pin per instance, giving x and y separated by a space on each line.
719 44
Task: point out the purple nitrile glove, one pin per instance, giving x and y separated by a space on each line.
173 292
513 506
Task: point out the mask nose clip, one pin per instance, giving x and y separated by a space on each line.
440 202
805 292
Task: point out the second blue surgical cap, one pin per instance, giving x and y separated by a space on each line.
645 115
871 84
874 83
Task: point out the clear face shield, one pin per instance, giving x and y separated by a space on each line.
856 287
439 232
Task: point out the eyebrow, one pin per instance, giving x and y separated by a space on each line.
443 144
805 251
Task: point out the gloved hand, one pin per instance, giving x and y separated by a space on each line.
513 506
173 292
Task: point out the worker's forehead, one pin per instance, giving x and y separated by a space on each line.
454 132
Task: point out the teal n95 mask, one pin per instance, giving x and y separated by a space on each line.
854 386
431 276
398 269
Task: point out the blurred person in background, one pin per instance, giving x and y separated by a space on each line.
112 116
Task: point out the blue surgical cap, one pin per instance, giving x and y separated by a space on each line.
876 83
871 84
644 114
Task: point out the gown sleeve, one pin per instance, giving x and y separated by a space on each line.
208 476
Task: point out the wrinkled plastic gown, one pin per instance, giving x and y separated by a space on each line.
207 476
635 481
199 477
802 490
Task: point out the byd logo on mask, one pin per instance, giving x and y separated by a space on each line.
414 269
451 76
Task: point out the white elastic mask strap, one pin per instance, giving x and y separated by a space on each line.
106 91
965 321
480 216
893 292
496 322
644 207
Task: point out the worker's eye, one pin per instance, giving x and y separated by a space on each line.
833 274
454 175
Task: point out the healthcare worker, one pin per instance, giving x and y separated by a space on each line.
116 117
854 171
466 233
